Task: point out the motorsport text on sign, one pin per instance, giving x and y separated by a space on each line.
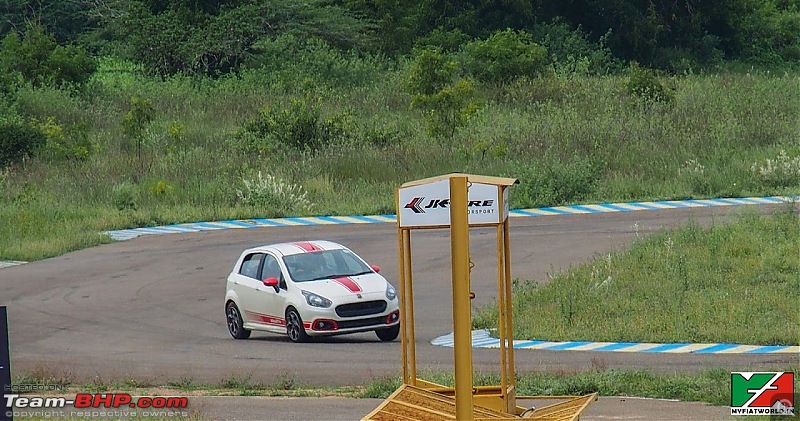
428 205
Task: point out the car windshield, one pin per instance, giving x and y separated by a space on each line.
325 264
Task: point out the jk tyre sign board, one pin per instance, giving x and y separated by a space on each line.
428 205
762 393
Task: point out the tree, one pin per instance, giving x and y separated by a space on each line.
503 56
399 22
66 19
663 33
18 140
34 56
134 126
446 101
213 38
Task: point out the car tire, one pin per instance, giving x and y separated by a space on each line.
235 322
388 334
294 326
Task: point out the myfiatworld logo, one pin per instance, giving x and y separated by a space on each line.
416 204
762 393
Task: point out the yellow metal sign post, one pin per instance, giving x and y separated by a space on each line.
462 334
460 201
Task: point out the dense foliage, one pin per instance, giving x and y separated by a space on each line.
34 57
213 36
18 141
118 113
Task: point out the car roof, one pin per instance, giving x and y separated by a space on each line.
297 247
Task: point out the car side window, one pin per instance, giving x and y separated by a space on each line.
250 265
271 268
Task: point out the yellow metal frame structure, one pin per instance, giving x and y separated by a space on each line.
418 399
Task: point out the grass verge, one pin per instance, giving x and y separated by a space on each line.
711 386
733 283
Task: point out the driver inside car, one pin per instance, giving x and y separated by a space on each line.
309 268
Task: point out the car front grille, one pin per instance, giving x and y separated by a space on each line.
361 309
372 321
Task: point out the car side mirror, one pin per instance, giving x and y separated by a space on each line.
271 282
376 268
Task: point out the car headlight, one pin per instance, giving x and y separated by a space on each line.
391 294
315 300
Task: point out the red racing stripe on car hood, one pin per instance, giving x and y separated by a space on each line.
348 283
306 246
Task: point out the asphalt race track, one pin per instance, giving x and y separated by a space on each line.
151 308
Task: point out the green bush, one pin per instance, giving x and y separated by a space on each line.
567 47
503 56
430 71
18 140
160 189
643 83
71 64
555 182
36 58
70 142
449 41
134 125
446 102
292 58
124 196
295 126
382 135
769 34
448 109
300 126
704 54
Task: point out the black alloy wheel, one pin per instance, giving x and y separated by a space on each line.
294 326
235 322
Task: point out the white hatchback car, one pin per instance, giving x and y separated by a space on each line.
309 288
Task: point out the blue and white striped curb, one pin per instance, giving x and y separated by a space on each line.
667 204
249 223
127 234
482 339
9 263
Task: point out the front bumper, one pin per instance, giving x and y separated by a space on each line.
325 322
